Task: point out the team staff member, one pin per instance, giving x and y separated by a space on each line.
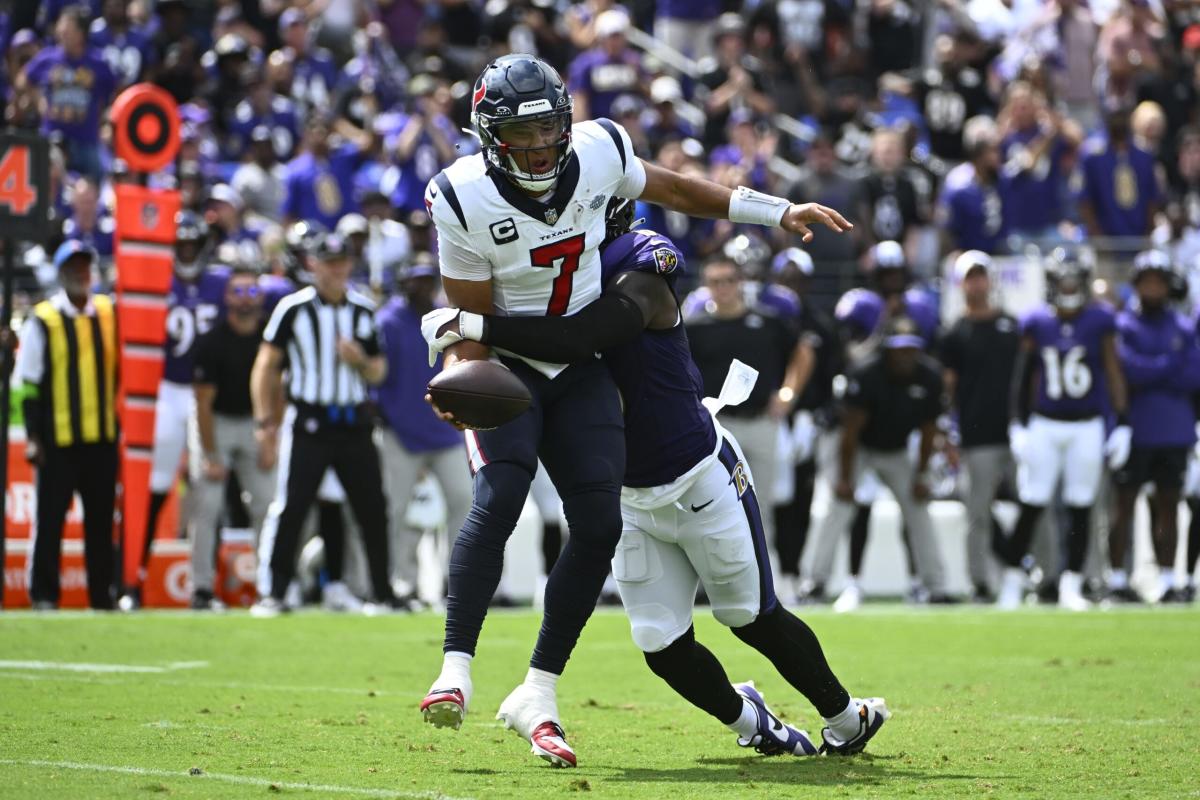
888 396
413 438
68 365
223 425
324 336
1161 363
727 328
979 354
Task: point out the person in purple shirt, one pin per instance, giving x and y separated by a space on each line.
421 145
87 221
1161 361
414 440
679 456
262 106
1066 370
128 51
320 181
970 211
1119 188
76 85
612 68
1034 153
314 74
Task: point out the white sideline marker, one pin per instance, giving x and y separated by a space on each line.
75 666
242 779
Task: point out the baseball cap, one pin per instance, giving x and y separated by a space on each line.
331 246
351 224
792 255
290 17
665 89
888 255
224 193
71 248
611 22
26 36
901 332
971 260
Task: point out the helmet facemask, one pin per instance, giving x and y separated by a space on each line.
511 147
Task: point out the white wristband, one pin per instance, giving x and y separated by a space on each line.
470 326
756 208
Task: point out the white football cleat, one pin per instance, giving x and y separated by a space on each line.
849 600
533 714
336 596
1070 592
774 737
872 713
1012 591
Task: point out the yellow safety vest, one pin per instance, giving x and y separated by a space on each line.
80 375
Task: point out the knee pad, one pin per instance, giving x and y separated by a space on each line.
657 635
735 617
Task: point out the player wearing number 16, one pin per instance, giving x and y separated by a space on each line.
519 228
1068 360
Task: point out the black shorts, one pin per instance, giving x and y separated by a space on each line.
1162 466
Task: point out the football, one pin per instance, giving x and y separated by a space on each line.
482 395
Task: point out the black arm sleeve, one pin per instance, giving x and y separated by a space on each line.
611 320
1020 401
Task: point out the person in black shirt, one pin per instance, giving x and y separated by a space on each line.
979 353
726 329
888 396
223 426
887 198
730 79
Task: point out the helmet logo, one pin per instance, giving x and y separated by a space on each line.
480 93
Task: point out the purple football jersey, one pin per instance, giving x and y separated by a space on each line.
275 288
1070 382
192 310
667 430
861 310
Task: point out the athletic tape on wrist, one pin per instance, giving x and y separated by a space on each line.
756 208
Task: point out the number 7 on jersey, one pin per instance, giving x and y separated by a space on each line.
547 256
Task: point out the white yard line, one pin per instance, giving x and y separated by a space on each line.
77 666
234 685
245 780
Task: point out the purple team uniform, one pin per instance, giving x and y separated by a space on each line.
604 78
1070 382
1120 187
1032 199
127 53
403 408
322 189
667 431
193 309
76 91
971 212
282 120
275 288
1161 362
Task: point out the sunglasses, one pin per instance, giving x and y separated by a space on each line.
246 291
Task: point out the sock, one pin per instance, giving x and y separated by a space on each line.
543 681
746 725
852 582
455 674
1166 578
694 673
844 725
1118 579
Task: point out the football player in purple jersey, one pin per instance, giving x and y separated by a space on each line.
688 493
1068 378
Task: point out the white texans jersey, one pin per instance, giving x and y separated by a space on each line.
542 256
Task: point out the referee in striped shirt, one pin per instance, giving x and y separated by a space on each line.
324 338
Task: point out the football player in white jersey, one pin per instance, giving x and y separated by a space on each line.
519 228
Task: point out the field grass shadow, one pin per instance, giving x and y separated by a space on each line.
862 770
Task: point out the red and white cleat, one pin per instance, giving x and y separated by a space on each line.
550 743
444 708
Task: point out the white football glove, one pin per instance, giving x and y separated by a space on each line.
1118 445
804 437
1018 439
433 322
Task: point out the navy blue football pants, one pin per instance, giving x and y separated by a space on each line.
575 426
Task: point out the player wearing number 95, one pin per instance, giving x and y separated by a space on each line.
519 228
1068 360
194 305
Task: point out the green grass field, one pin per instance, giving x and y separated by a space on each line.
1034 704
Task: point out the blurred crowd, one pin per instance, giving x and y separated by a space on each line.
1007 127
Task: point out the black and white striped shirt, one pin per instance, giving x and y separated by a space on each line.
307 330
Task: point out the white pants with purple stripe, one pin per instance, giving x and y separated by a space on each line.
706 530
